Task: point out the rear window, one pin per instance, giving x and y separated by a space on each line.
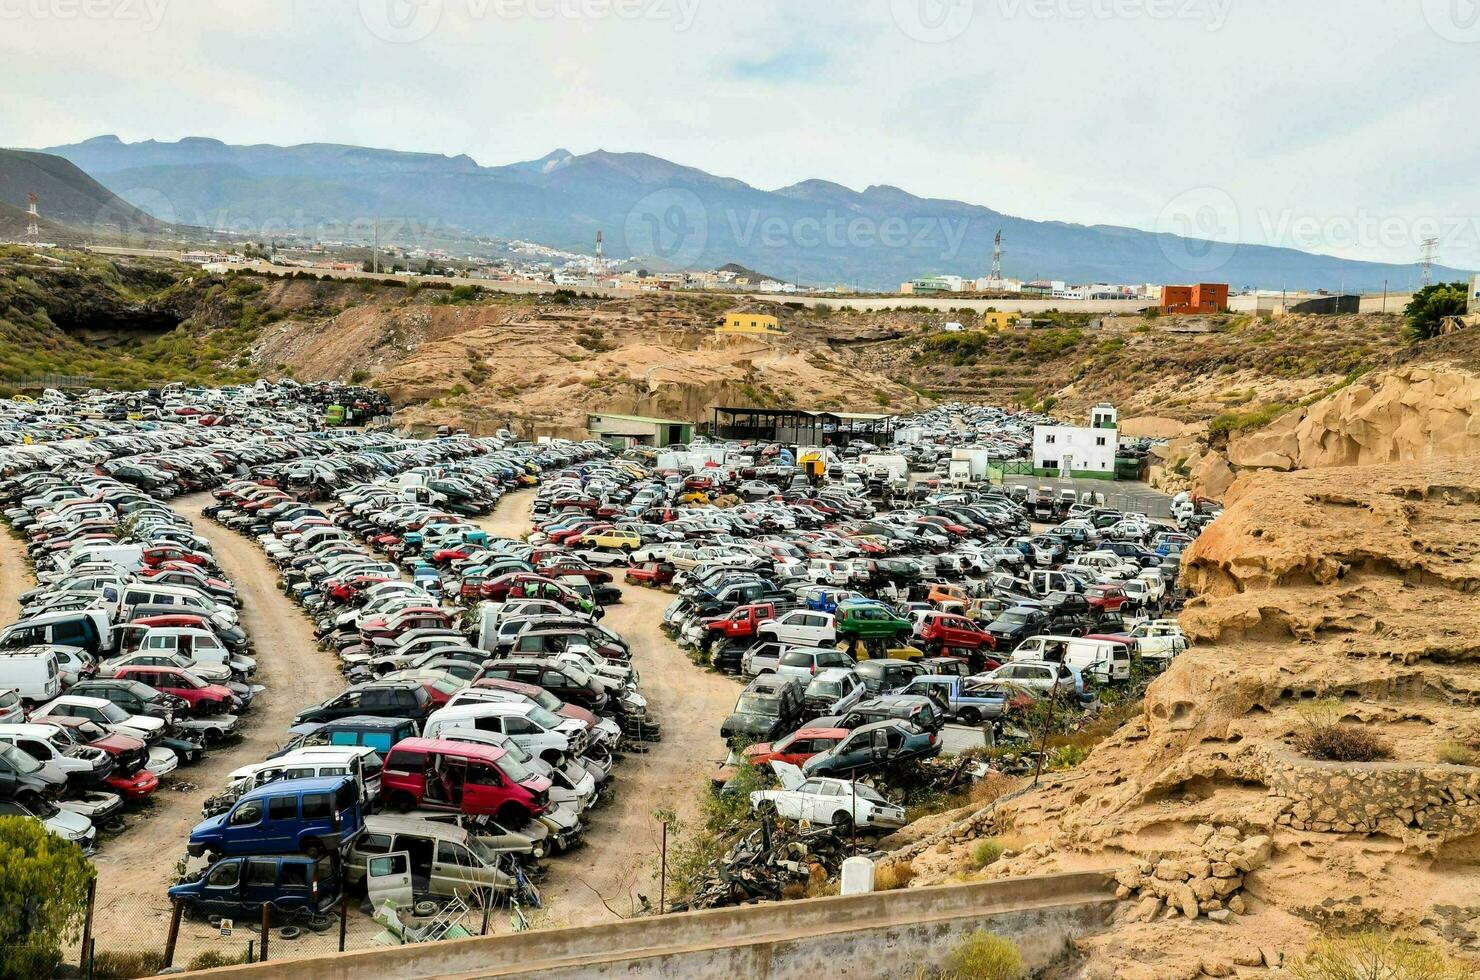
295 875
404 761
796 660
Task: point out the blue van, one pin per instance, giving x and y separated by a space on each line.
240 886
378 733
307 816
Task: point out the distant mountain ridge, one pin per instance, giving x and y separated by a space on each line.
669 215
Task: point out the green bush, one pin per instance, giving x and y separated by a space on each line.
1230 422
44 881
986 851
1369 955
983 956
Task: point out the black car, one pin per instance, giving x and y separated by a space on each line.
886 676
1016 625
917 709
770 707
383 699
134 697
869 748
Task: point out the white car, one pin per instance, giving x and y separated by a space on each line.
837 802
808 662
800 627
1038 676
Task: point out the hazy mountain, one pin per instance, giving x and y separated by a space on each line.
70 202
670 215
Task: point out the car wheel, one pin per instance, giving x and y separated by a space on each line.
314 849
842 821
968 716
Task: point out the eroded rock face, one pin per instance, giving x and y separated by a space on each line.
1356 584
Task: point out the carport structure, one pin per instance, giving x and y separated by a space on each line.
798 427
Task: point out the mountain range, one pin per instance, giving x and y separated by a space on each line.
665 215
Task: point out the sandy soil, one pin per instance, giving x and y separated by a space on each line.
136 867
15 575
619 859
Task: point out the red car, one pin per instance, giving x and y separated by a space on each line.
943 630
129 778
462 777
203 698
160 554
1105 598
795 748
653 573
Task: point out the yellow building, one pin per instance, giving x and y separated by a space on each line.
994 320
750 323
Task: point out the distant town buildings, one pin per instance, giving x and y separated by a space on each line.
996 320
1203 298
756 324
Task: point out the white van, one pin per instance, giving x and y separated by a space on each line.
539 732
191 600
310 762
32 672
1102 661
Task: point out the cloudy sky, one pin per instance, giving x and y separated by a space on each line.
1341 126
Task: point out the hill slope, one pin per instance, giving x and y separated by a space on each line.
670 214
70 200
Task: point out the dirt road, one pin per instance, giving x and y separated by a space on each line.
619 859
15 575
136 867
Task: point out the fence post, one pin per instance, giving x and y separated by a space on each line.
263 944
169 946
92 894
343 919
92 955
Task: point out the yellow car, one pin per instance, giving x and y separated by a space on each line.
894 653
612 539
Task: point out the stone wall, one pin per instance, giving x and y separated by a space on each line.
1405 801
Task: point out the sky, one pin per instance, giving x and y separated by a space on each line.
1347 127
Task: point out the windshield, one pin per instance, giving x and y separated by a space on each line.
112 712
797 659
546 700
515 769
752 705
18 760
1016 619
190 680
825 688
542 717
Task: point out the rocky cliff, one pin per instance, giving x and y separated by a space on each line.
1352 590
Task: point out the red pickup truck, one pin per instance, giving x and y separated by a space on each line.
742 622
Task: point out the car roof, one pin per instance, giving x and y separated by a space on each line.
484 753
314 784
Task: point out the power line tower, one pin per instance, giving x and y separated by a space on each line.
1427 257
33 219
997 259
600 265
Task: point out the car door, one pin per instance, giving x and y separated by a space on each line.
259 880
804 801
388 877
222 891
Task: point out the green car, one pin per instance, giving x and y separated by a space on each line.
870 621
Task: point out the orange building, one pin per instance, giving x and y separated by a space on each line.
1207 297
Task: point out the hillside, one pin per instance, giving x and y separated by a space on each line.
73 204
668 214
1334 608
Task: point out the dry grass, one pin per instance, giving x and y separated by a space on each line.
1376 955
984 852
1343 743
893 876
1457 754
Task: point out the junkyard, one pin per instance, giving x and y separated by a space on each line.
345 682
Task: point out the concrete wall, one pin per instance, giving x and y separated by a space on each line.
879 935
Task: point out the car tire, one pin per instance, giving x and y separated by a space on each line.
842 822
969 716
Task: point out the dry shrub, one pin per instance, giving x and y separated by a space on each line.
991 788
793 890
1375 955
986 851
1342 743
110 965
894 875
213 958
983 956
1457 754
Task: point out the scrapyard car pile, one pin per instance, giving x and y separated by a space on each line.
485 707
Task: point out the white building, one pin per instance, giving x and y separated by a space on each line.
1070 450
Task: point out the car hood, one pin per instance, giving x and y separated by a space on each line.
68 824
209 825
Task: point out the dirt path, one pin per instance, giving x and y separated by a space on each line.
15 575
620 855
136 867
